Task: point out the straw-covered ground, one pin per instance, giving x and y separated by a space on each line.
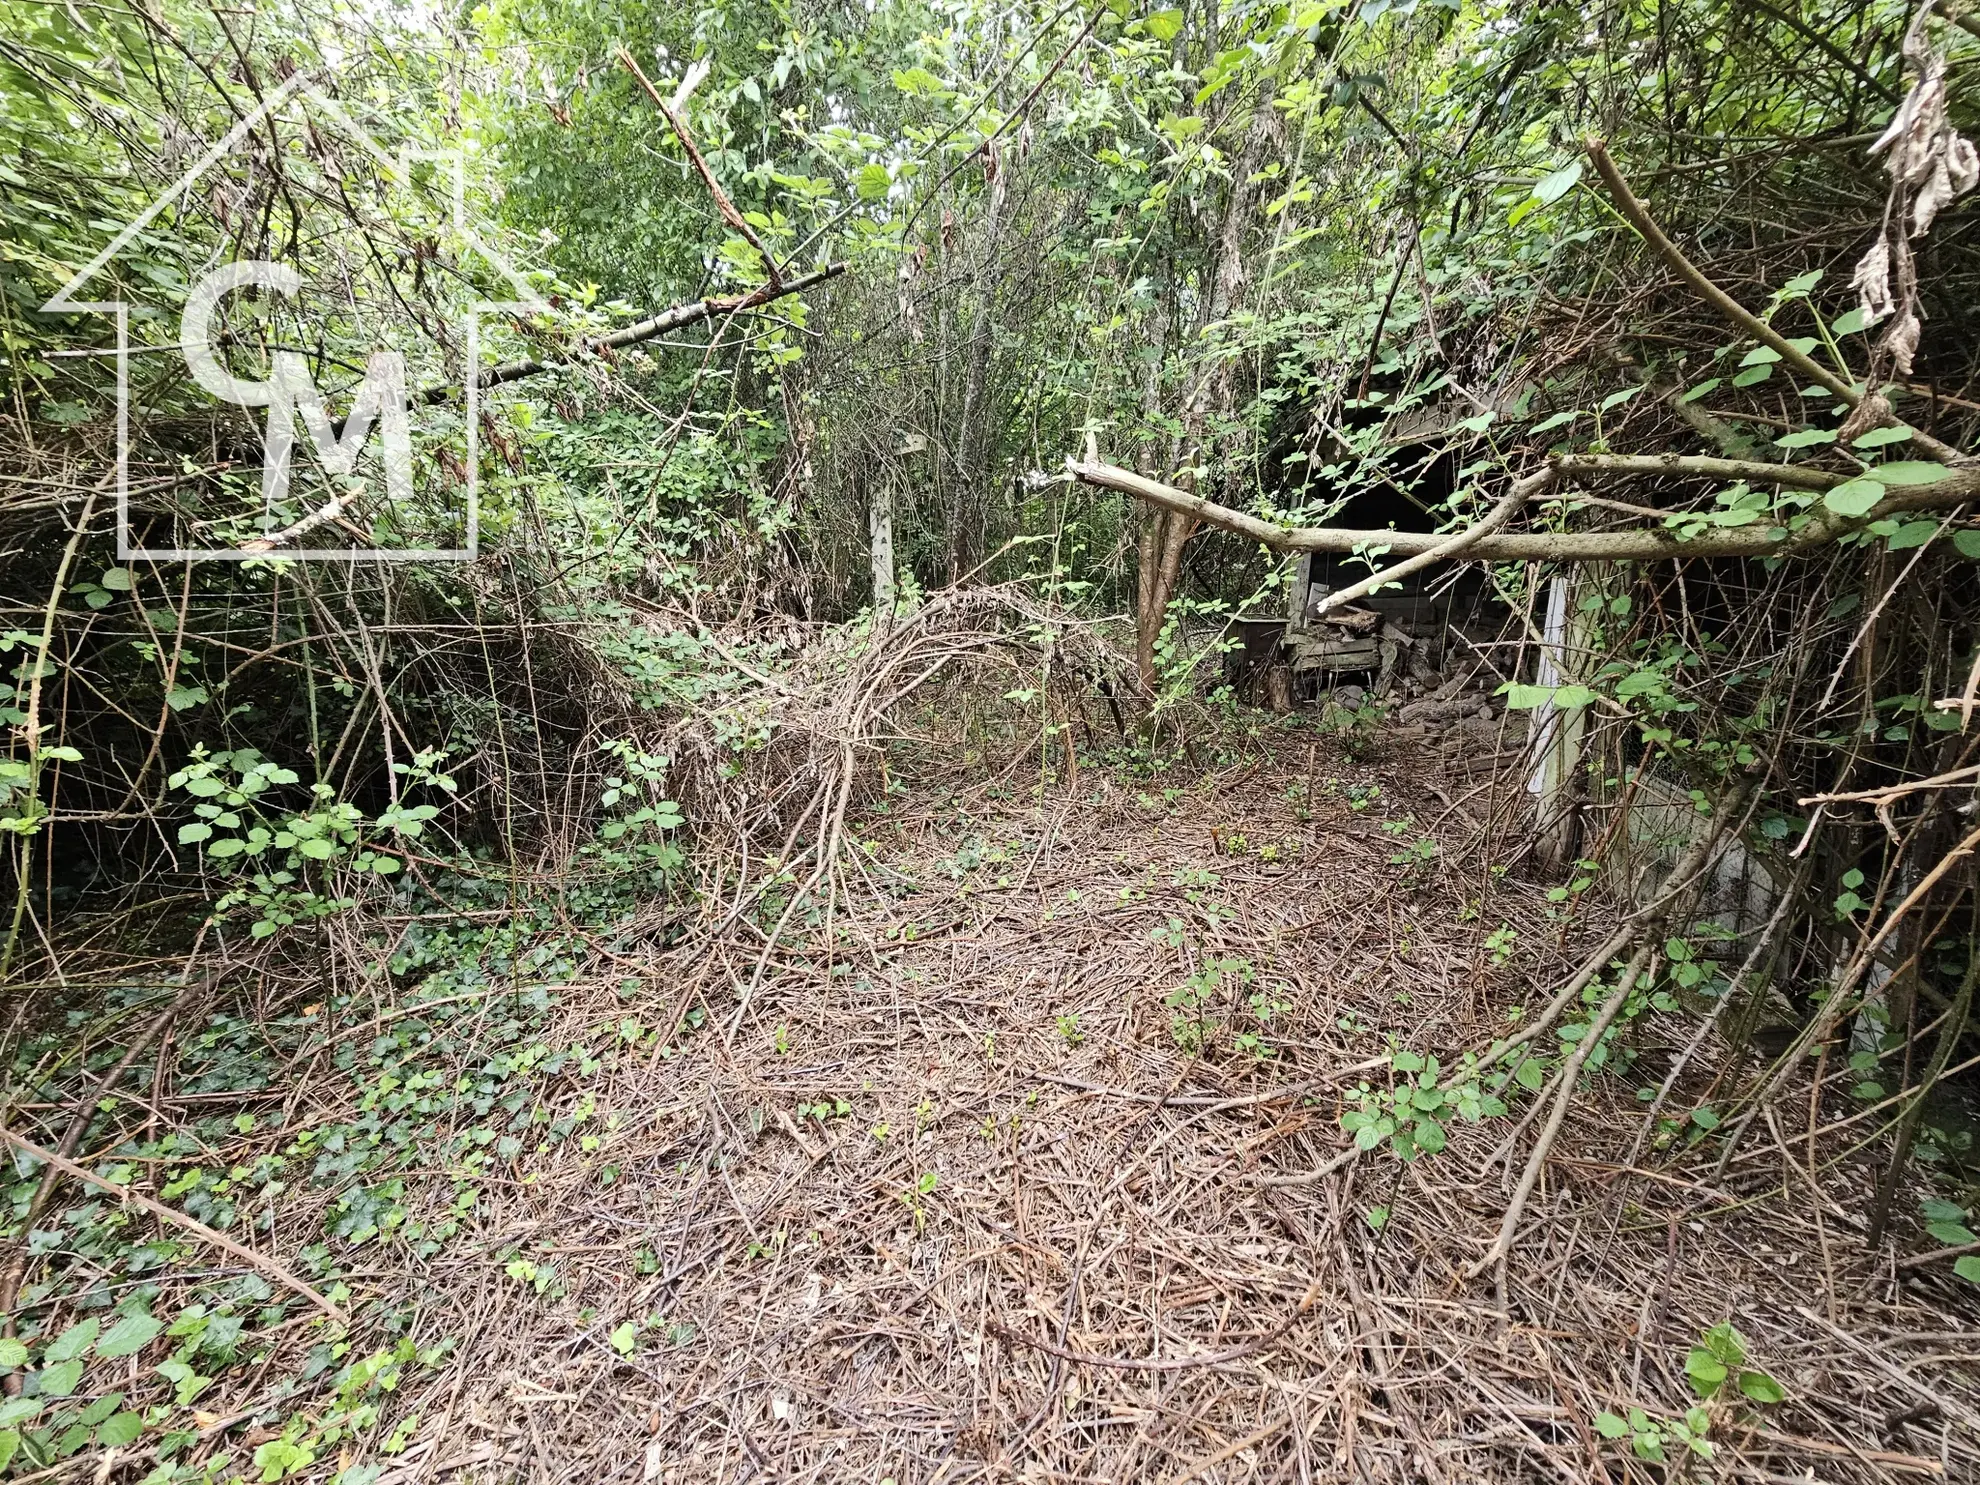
1012 1177
1026 1162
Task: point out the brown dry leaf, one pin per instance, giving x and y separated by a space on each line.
1872 282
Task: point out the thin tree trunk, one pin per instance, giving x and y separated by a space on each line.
1210 389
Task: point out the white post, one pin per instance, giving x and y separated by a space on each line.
880 526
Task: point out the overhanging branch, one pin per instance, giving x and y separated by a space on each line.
1958 487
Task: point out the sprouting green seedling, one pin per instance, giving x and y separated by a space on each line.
1069 1029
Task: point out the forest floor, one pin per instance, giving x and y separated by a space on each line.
1027 1164
981 1188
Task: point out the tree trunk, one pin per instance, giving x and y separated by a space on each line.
966 522
1167 532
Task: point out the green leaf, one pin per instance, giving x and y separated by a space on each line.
1164 25
119 1430
1968 1268
61 1379
130 1335
625 1338
1706 1371
1950 1233
1850 322
1753 374
1571 698
1806 438
15 1410
193 834
1609 1426
1911 534
1709 384
72 1342
1934 1208
1616 399
1550 189
1760 355
1429 1136
116 579
1559 419
873 182
12 1353
1968 544
917 82
10 1443
1857 497
1761 1388
1877 438
1909 472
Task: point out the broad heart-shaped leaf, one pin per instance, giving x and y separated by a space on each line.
1609 1426
131 1334
1909 472
1857 497
1761 1388
1968 544
1550 189
72 1342
1968 1268
1911 534
1877 438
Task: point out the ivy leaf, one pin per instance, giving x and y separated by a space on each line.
1857 497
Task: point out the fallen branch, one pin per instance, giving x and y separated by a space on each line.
1509 506
1958 487
180 1220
